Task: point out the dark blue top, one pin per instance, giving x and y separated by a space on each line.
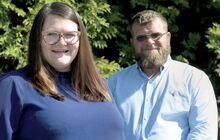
25 114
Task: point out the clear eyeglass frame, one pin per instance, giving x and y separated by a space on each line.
52 38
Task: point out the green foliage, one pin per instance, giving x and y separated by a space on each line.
190 45
99 29
215 4
122 40
107 68
213 36
181 59
12 7
12 40
171 13
135 3
126 55
16 47
183 3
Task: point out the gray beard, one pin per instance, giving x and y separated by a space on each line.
148 60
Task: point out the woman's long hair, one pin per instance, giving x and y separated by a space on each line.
85 79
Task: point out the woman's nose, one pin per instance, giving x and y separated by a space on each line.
62 40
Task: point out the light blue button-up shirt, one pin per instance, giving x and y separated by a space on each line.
176 104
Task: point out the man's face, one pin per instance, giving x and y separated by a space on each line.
151 43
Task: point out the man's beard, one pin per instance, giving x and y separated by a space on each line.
151 59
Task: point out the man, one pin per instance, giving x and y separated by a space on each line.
160 98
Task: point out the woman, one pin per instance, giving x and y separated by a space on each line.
59 95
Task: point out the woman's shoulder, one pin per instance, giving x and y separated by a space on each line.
15 74
15 77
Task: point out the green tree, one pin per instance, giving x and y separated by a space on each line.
213 43
12 43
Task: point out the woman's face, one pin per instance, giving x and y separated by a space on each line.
60 42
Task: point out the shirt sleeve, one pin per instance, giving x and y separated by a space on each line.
203 115
111 87
10 108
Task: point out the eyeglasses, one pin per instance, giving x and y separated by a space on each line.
154 36
52 38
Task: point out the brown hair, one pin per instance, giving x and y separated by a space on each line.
85 79
146 16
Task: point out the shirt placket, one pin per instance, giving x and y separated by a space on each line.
147 104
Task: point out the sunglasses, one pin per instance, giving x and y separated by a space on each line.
153 36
